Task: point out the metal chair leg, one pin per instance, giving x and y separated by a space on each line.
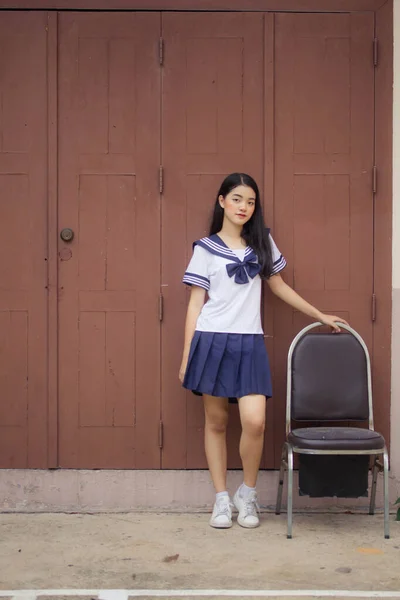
290 494
386 492
375 470
280 484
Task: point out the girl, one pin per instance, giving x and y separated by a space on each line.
224 355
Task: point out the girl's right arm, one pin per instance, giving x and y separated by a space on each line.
196 302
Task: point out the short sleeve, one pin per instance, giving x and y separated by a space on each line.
197 272
278 261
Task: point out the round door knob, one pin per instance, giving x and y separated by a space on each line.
67 235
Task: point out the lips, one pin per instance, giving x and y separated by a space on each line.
242 216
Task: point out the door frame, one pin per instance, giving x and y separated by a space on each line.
199 5
381 363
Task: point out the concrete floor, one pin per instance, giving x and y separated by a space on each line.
180 551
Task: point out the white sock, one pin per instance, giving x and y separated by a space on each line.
245 490
220 495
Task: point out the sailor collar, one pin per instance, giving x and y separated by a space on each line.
241 270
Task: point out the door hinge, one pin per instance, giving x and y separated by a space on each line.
373 308
375 52
374 179
161 435
161 179
161 51
161 307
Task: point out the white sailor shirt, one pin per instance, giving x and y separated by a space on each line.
232 280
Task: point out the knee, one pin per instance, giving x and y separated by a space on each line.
254 425
217 423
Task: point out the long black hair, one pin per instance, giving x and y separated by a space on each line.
254 231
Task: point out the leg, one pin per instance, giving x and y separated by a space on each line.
216 420
290 494
386 492
281 481
252 417
375 469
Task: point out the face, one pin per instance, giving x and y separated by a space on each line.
239 204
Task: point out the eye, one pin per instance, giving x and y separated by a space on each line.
251 203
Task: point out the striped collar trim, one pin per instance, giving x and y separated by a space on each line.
216 246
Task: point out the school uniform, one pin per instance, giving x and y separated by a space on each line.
227 356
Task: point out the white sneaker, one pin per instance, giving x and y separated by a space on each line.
221 517
248 509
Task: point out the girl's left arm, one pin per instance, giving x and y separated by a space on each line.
288 295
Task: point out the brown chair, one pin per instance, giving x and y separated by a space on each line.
329 379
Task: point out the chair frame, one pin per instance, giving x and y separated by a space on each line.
288 449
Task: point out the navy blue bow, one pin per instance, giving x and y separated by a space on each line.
241 270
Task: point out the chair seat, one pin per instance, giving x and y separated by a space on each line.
336 438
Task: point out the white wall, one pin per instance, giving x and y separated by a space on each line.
395 396
396 146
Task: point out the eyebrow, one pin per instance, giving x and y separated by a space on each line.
239 196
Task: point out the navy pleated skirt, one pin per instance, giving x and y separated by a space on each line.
230 365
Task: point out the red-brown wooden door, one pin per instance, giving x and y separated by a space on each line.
23 236
301 122
212 122
324 150
286 97
109 146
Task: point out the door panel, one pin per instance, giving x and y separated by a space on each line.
109 359
23 240
212 125
323 202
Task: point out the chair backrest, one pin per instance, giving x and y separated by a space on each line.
329 377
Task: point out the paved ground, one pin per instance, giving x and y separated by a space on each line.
168 552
